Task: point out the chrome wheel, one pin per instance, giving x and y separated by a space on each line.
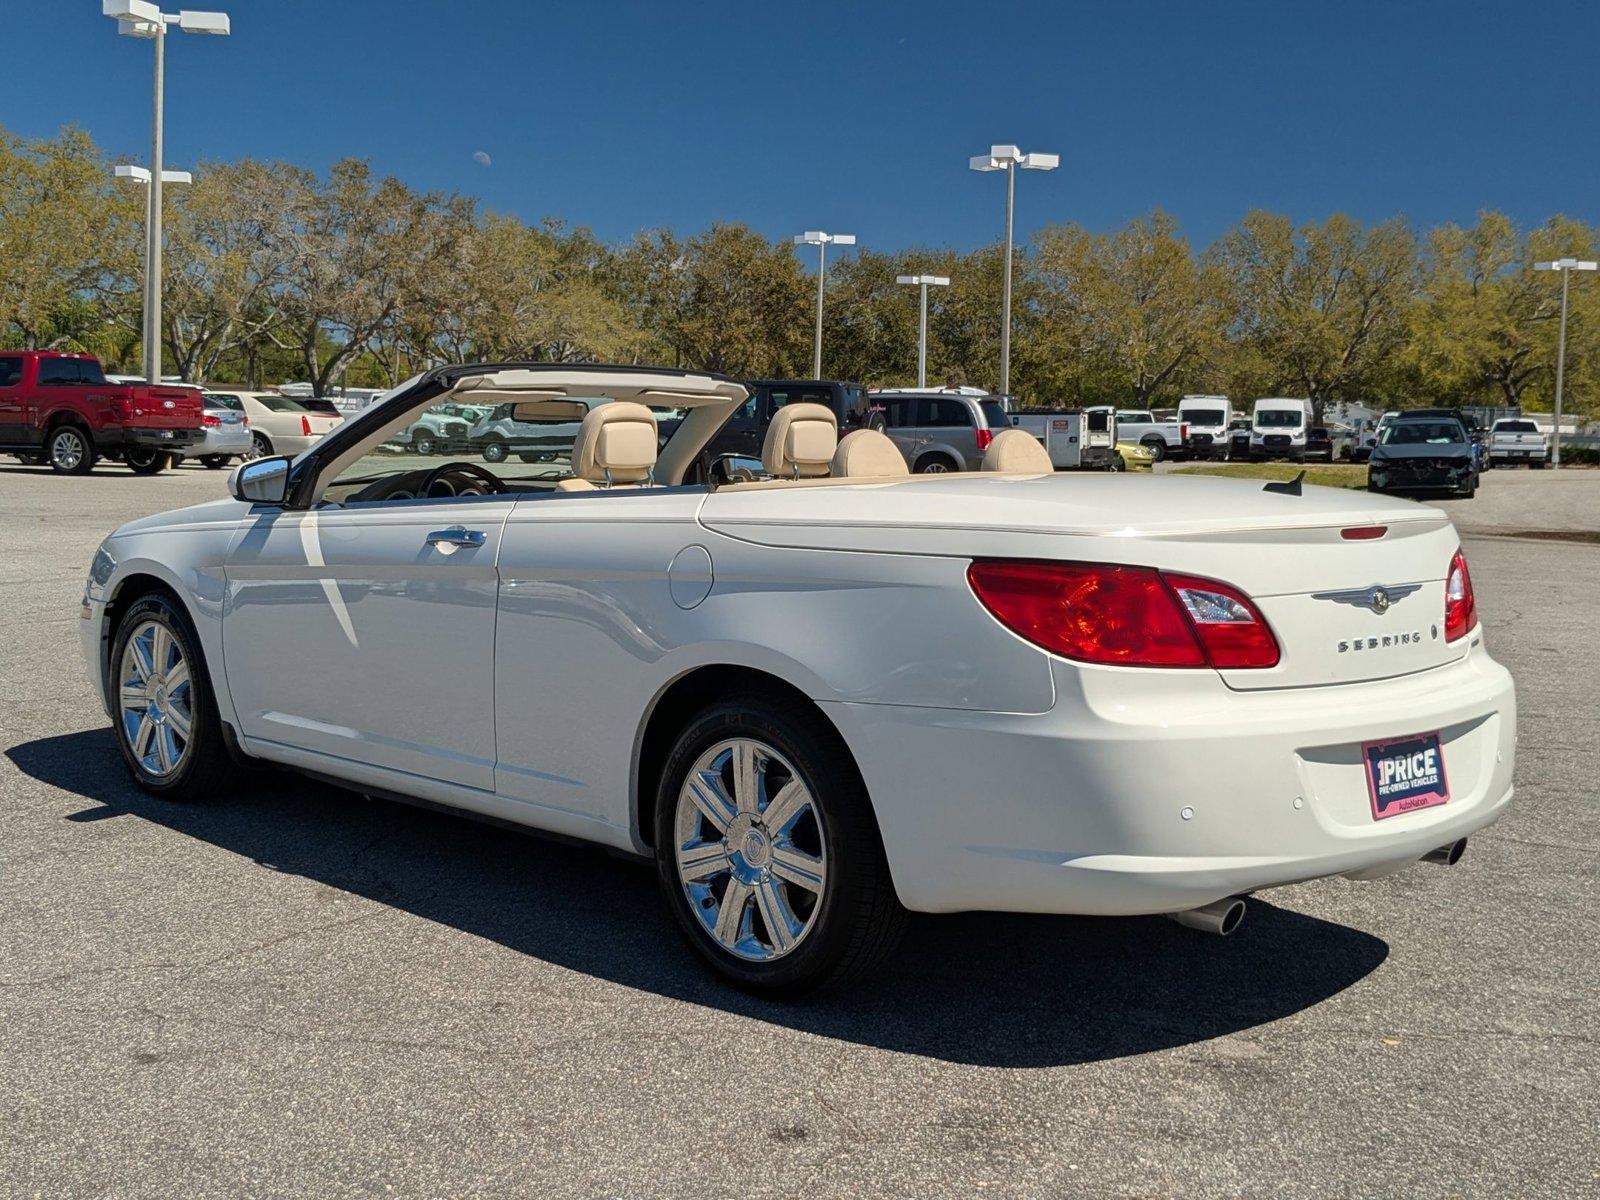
751 854
155 698
67 449
258 449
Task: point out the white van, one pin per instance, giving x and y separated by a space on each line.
1208 418
1278 429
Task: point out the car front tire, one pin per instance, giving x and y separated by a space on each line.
142 460
70 450
165 716
214 462
494 452
768 852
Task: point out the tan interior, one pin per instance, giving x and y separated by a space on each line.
866 453
1016 450
615 447
800 442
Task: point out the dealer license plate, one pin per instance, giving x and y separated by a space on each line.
1405 774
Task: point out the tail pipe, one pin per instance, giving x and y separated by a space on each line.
1220 917
1447 856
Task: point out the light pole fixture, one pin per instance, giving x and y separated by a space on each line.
815 237
1566 266
142 175
1008 159
923 283
142 19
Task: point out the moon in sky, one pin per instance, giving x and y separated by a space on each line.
481 157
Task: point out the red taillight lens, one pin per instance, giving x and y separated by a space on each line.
210 419
121 409
305 426
1460 607
985 436
1125 616
1231 629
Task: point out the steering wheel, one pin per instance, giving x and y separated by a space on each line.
489 481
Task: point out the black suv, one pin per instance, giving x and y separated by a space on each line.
747 427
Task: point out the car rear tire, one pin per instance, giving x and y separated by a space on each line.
1157 449
214 462
494 452
935 464
143 460
70 450
260 447
768 852
165 716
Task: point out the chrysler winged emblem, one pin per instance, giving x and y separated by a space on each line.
1378 598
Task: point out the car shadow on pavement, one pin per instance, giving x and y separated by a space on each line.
981 988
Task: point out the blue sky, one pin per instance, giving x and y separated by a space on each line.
859 118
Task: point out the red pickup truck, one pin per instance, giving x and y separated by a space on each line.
61 409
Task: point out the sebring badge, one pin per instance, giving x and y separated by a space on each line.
1378 598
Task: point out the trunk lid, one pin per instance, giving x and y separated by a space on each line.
1288 553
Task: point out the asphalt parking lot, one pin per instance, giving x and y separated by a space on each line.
295 989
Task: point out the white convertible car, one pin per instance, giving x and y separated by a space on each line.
833 692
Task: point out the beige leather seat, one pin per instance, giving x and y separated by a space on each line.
1017 450
615 447
867 453
800 442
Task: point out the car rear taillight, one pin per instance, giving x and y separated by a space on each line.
985 436
1125 616
305 426
210 419
121 409
1460 607
1231 630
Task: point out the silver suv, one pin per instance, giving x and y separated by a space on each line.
941 431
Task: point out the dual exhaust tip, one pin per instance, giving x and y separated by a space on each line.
1222 917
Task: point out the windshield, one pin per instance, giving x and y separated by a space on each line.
1515 427
282 404
224 400
1279 418
1420 433
995 414
1205 416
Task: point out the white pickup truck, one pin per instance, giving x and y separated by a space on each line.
1164 439
1515 440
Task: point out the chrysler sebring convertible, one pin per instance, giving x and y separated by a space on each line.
831 692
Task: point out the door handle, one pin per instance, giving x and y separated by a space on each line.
456 535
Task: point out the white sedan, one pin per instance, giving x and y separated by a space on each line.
278 424
829 694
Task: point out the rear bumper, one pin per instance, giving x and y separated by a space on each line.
222 440
169 439
1082 809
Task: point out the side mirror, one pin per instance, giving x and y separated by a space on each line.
261 481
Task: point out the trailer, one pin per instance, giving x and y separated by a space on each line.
1077 439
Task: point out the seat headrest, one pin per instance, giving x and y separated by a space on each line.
866 452
800 441
616 443
1017 450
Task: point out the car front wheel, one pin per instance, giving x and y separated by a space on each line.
69 450
768 851
166 720
143 460
214 462
494 452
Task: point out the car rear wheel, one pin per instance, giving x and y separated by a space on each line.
934 464
145 460
166 720
768 852
70 450
1157 449
260 447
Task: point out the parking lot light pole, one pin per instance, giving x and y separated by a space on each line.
923 283
815 237
1008 159
141 175
1566 266
142 19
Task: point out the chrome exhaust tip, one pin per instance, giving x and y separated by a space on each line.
1447 856
1220 917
